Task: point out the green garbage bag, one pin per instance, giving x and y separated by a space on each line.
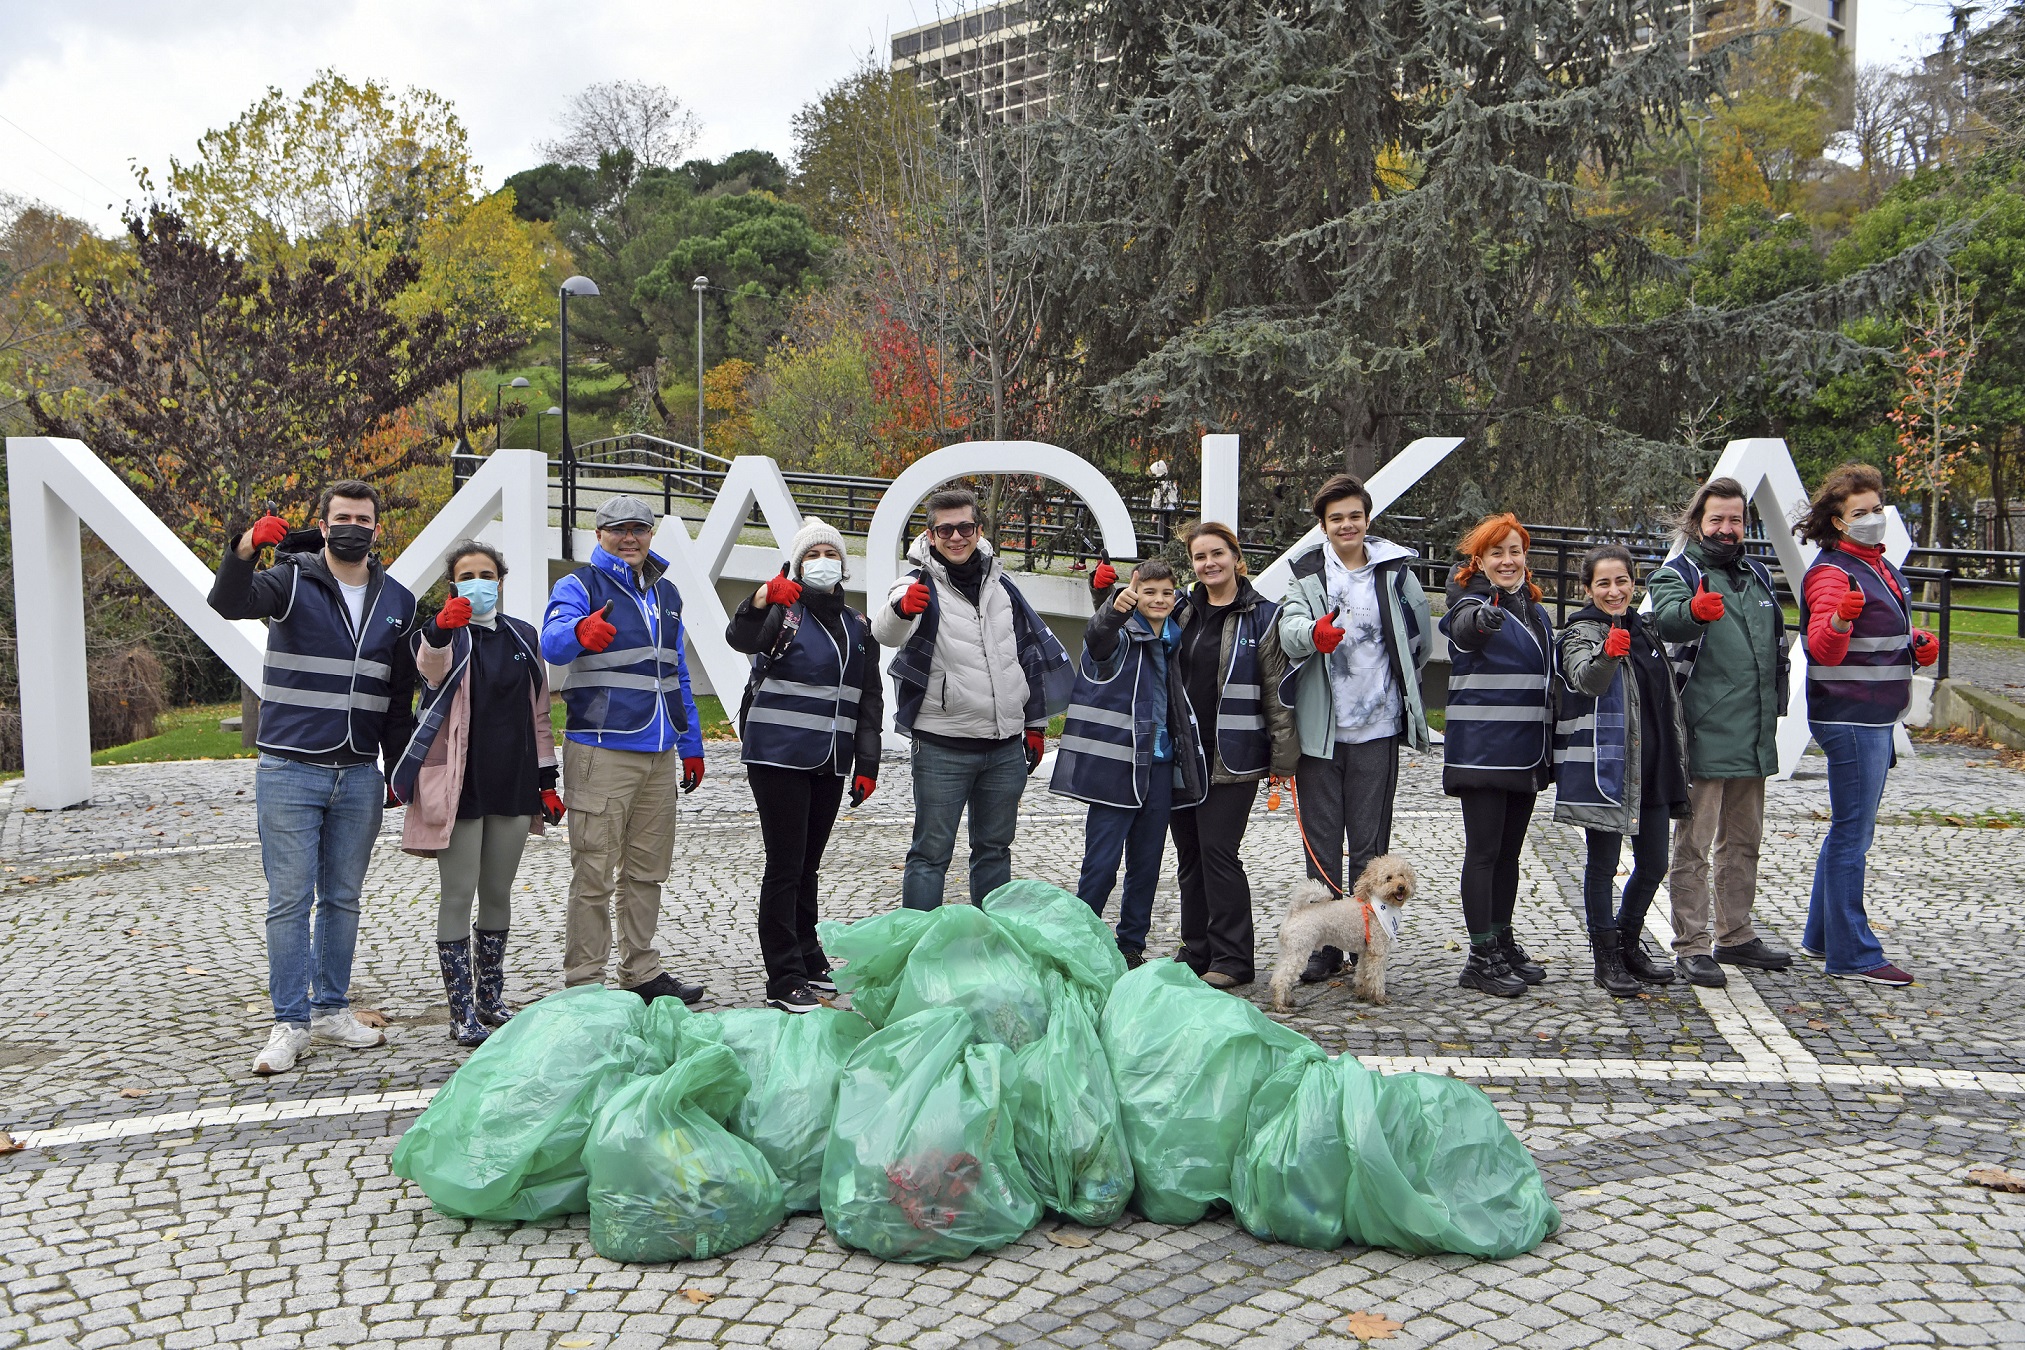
793 1061
661 1029
1069 1137
503 1138
868 957
964 960
1187 1061
1436 1169
1291 1182
667 1181
1059 932
921 1163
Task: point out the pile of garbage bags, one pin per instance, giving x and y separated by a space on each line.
998 1063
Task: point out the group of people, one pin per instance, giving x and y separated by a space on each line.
1660 727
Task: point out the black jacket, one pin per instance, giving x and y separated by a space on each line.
754 631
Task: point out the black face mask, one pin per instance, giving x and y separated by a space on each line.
1722 552
348 543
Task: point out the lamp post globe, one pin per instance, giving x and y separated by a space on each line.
517 382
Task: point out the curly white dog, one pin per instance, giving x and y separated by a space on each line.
1366 925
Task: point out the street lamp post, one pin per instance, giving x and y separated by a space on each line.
700 285
579 286
1701 121
547 412
517 382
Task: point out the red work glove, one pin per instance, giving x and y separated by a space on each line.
1707 606
861 788
269 529
1851 607
456 612
1926 651
1618 645
1105 577
692 773
1327 636
596 631
392 800
913 600
783 589
552 807
1037 745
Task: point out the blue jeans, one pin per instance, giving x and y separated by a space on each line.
988 780
1836 924
317 828
1139 834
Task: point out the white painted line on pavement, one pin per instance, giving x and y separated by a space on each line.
252 1113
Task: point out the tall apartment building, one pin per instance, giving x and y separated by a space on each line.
993 52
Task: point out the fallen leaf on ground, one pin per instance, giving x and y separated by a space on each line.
1997 1179
8 1143
697 1296
1816 1024
195 970
254 1007
576 1343
1372 1327
131 932
1068 1239
370 1017
133 1092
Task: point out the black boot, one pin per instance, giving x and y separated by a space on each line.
1638 963
1611 976
1486 971
1521 965
1323 964
488 976
455 958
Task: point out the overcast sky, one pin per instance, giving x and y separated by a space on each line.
90 87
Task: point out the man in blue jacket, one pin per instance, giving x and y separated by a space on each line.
336 685
632 734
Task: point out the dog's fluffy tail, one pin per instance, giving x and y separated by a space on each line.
1308 894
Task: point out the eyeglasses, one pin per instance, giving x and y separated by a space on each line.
629 531
961 529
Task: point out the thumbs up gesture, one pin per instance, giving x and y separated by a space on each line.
1851 606
1707 606
596 631
1617 644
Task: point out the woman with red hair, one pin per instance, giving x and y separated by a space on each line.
1498 749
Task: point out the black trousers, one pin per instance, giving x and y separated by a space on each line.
1494 830
797 808
1649 854
1216 895
1347 800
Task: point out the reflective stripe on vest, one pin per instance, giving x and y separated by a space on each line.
1589 745
1105 755
1682 656
1873 684
1499 698
615 691
323 688
1241 740
804 711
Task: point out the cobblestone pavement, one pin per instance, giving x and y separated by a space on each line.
1996 664
1782 1162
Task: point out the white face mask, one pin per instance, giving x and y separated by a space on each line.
822 573
1868 531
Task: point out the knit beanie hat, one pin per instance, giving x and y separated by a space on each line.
815 530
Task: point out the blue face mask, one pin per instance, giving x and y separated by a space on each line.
482 592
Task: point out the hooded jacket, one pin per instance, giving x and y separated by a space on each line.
1594 688
1407 631
1128 690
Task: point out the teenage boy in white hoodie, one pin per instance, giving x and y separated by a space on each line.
1355 624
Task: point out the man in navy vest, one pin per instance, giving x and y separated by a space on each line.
632 734
336 690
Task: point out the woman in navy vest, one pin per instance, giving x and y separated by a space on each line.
809 724
1497 755
1856 615
1620 757
478 776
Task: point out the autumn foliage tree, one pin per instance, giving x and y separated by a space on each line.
1933 364
228 390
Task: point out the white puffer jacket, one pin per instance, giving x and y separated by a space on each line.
976 688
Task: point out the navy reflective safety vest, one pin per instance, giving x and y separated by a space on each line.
1105 754
1500 699
1683 655
1590 741
324 689
1874 682
1043 659
434 704
614 691
804 708
1241 740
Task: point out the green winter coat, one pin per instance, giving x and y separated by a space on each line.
1737 691
1408 630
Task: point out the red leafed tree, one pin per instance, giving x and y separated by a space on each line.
1939 349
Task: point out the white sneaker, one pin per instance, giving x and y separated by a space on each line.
341 1028
284 1044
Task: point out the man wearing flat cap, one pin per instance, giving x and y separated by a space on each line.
615 625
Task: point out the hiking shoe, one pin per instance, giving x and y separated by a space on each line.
1222 979
1755 955
284 1044
1702 970
1886 974
822 986
1487 972
341 1028
665 985
1516 960
1326 963
1135 957
1642 967
799 999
